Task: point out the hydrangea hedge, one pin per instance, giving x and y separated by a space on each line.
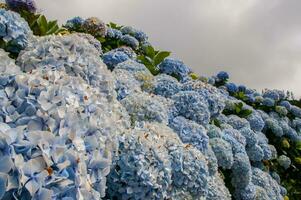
92 111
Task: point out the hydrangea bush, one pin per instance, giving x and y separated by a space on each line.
98 113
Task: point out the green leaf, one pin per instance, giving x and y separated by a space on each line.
53 30
149 64
160 57
298 146
42 22
149 51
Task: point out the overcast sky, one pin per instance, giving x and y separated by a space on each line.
257 41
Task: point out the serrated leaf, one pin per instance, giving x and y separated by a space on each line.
160 57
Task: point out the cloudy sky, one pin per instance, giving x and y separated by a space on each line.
257 41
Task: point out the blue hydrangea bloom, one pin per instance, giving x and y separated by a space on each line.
74 24
241 171
114 33
274 126
256 121
269 185
190 133
255 153
192 106
175 68
268 102
284 161
242 88
231 87
237 122
130 41
166 85
138 34
223 76
71 53
286 104
112 58
18 5
272 94
14 31
127 50
144 108
223 152
214 131
296 111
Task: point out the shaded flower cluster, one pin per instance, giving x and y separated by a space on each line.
14 31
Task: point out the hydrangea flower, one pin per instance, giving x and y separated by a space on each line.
71 53
296 111
165 85
241 171
267 183
255 153
256 121
143 107
215 99
223 76
138 34
284 161
217 189
128 51
272 94
112 58
237 122
19 5
114 33
154 164
192 106
14 31
223 152
68 138
175 68
125 83
92 41
130 41
274 126
75 24
214 131
132 66
7 66
95 27
190 133
286 104
268 102
231 87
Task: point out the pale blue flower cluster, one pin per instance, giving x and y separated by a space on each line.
175 68
138 34
166 85
193 106
70 128
57 133
112 58
14 31
71 53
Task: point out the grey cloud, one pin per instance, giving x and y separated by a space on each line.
257 42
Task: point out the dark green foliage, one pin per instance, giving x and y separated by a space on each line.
152 58
39 24
238 110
